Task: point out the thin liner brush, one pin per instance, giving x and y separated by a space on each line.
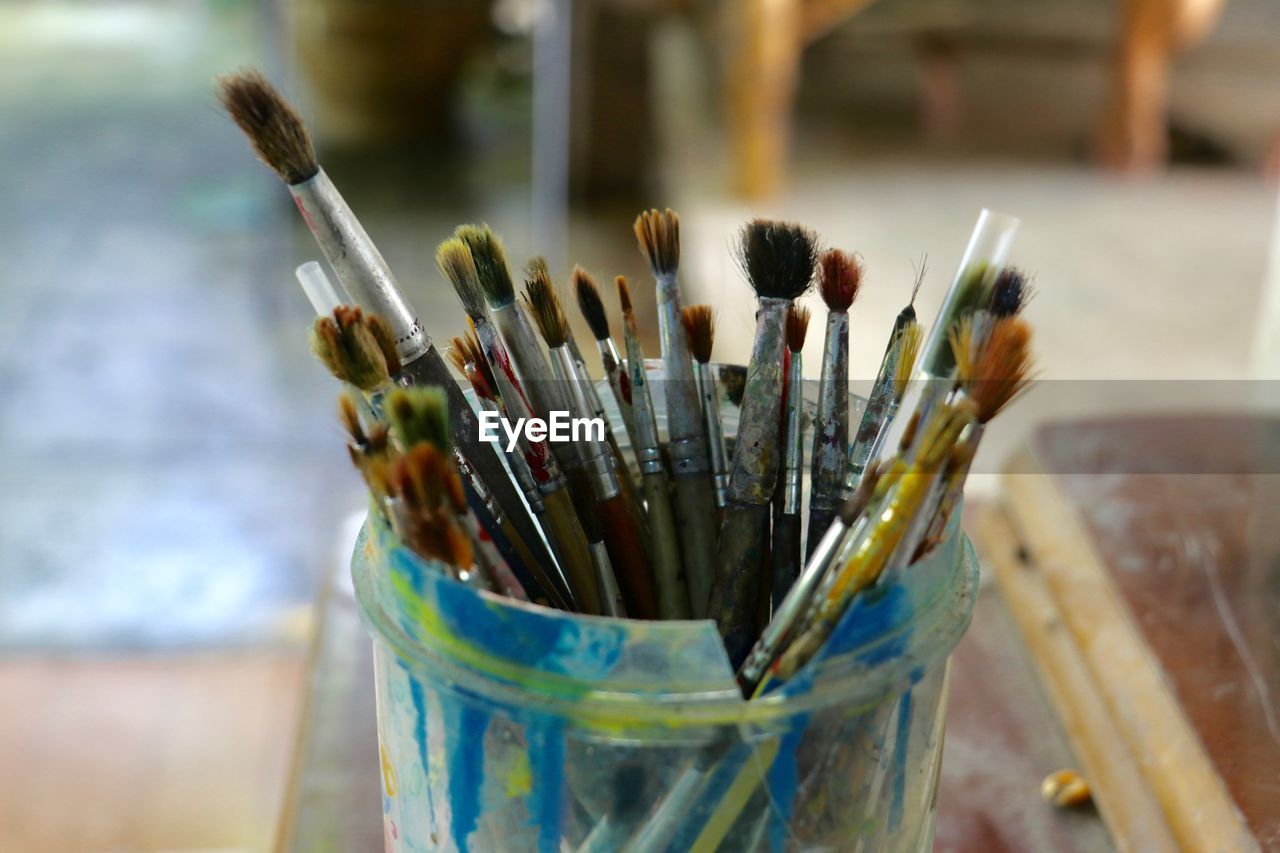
281 141
564 531
778 259
592 307
669 574
877 414
700 327
785 542
617 525
659 238
840 278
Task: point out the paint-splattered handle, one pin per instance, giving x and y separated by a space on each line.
741 559
627 553
571 546
668 570
695 513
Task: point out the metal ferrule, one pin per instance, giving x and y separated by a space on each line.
786 617
755 456
793 450
357 262
537 455
831 422
610 596
643 416
687 447
596 405
716 453
596 455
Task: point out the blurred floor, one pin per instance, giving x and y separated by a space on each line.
172 477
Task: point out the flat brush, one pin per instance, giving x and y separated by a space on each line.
592 307
628 566
669 574
558 519
659 238
700 327
785 540
280 139
778 259
839 280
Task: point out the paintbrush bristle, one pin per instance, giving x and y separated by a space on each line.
462 355
475 352
429 488
455 261
590 304
797 327
777 257
1010 292
624 294
659 237
700 328
274 128
543 304
356 347
839 279
960 337
490 260
1003 367
908 352
418 415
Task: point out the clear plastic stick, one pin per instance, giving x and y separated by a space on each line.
322 293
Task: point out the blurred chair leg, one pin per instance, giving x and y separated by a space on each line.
1132 133
764 45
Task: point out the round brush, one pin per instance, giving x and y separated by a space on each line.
700 327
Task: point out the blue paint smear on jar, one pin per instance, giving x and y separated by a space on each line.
420 739
901 742
465 726
783 781
546 763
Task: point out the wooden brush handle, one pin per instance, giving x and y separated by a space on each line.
695 512
786 555
531 573
570 543
626 552
741 559
668 572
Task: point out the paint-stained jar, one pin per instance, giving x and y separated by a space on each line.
505 726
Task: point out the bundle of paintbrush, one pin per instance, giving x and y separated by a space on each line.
700 532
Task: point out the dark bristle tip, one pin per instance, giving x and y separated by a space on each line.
624 293
778 258
797 327
275 130
1009 293
840 278
590 304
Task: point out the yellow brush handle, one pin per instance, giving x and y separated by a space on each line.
571 546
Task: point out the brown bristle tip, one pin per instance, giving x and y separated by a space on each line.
839 278
659 236
1003 369
700 328
543 304
778 258
589 303
274 128
797 327
624 293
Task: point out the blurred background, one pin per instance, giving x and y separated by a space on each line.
174 486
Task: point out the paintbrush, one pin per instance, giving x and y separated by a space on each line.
778 259
669 575
615 523
419 421
839 279
700 327
281 141
559 520
971 288
785 540
615 369
907 351
659 238
536 268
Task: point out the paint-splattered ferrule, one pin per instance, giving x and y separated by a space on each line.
687 448
717 456
596 455
755 455
793 449
357 262
830 451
